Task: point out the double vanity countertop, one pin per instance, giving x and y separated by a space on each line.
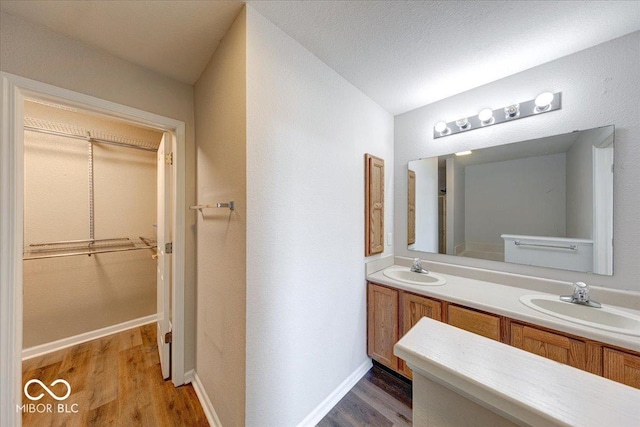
504 300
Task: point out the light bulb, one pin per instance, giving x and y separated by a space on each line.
441 127
463 153
512 111
543 101
463 123
486 116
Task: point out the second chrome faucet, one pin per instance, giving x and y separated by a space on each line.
580 296
417 267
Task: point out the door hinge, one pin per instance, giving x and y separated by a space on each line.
167 337
168 158
168 248
612 168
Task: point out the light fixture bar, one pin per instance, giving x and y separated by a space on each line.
507 113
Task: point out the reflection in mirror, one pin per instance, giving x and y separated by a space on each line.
546 202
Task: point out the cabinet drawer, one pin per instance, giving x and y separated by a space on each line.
483 324
621 367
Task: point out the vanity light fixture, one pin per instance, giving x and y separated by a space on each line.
543 103
463 153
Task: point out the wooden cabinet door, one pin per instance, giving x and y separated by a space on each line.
621 367
556 347
411 208
412 309
483 324
382 324
374 205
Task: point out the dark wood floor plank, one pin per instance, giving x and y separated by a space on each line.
378 399
353 411
116 381
398 389
396 411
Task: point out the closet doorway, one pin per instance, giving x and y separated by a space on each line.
100 161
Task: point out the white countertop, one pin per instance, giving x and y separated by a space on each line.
524 386
505 300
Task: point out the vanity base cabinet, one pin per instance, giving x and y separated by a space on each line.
621 367
412 309
382 324
392 312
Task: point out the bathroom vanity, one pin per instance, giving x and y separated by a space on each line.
493 310
461 378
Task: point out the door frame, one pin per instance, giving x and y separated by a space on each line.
13 90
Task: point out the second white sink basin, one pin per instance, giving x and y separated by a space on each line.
404 274
605 318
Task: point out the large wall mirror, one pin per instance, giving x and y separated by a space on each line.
546 202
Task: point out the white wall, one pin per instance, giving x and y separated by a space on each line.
220 106
307 133
426 204
580 186
39 54
522 196
599 87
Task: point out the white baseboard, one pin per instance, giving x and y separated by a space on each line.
207 406
189 376
39 350
332 400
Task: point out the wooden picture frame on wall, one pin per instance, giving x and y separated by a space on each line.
374 205
411 208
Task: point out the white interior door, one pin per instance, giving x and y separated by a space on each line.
164 258
603 209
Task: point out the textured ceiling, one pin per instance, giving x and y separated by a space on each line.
173 38
402 54
408 54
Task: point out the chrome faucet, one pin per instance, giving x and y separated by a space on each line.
417 267
581 296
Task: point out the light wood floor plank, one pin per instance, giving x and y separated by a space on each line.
115 381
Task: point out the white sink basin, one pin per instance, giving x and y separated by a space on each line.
605 318
405 275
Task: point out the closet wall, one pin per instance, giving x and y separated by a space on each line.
68 296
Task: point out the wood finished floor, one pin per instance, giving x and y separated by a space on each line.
379 399
115 381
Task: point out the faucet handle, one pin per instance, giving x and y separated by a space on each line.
581 291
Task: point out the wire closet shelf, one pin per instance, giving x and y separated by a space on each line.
65 248
75 132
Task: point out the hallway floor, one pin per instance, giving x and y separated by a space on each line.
115 381
378 399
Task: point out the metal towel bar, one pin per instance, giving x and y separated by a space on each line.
229 205
539 245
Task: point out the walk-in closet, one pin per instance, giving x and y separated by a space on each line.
90 190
